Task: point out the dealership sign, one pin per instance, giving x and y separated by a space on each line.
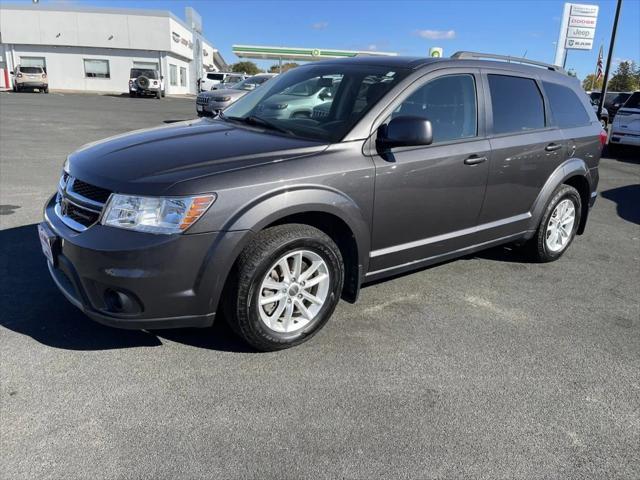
577 30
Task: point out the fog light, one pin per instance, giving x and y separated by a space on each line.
117 301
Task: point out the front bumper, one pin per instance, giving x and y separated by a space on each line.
135 280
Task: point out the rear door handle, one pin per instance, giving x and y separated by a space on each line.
552 147
474 160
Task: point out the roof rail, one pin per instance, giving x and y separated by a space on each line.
506 58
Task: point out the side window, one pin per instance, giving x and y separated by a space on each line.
516 103
565 105
449 103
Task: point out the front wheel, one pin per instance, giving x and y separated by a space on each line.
289 281
558 226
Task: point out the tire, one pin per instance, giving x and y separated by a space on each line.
539 248
46 90
158 94
256 265
163 94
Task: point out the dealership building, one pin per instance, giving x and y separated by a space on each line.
94 49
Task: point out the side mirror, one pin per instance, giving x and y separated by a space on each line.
405 131
161 77
11 72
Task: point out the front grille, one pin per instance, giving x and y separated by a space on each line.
97 194
202 100
80 215
79 204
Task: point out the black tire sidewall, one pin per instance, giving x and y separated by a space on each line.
248 310
563 193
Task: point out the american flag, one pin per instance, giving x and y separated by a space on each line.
599 69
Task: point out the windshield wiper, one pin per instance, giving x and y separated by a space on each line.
255 120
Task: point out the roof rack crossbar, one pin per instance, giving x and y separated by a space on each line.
506 58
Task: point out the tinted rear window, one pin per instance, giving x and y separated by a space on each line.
633 101
566 107
215 76
516 103
139 72
31 69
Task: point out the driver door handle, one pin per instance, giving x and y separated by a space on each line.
474 160
552 147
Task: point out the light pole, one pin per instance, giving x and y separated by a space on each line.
605 80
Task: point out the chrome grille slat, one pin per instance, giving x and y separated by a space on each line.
79 204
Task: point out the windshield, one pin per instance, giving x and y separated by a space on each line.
633 101
251 83
144 72
322 102
31 69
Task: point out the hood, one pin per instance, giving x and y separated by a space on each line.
151 161
225 92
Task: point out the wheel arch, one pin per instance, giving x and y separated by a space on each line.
574 172
326 209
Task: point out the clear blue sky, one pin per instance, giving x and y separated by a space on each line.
500 26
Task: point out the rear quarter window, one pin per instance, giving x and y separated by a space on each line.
516 103
633 101
566 108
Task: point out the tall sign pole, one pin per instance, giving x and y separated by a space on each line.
605 80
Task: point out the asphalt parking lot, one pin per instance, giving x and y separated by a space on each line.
485 367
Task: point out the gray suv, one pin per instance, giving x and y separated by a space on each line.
409 162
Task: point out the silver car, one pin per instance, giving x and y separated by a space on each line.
208 104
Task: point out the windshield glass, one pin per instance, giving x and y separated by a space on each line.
215 76
322 102
633 101
31 69
251 83
139 72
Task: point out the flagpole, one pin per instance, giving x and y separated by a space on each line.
609 55
595 74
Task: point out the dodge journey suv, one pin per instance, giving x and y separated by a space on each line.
272 219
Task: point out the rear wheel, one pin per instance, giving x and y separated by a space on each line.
558 226
289 280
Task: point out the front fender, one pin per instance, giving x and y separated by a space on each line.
570 168
275 205
268 209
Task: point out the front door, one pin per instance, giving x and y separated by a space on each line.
428 198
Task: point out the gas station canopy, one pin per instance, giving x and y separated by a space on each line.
300 54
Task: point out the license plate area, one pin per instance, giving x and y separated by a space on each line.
199 108
49 242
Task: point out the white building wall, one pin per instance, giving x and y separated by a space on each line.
67 35
65 66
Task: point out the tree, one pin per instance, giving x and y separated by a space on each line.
249 68
625 78
285 66
590 82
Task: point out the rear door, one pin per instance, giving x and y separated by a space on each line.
526 149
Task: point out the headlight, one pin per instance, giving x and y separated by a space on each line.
65 166
221 99
155 214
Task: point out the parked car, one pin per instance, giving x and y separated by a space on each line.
213 79
301 99
209 103
229 81
625 129
612 101
604 114
30 78
145 82
416 161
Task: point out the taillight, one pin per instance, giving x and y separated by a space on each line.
603 137
19 75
